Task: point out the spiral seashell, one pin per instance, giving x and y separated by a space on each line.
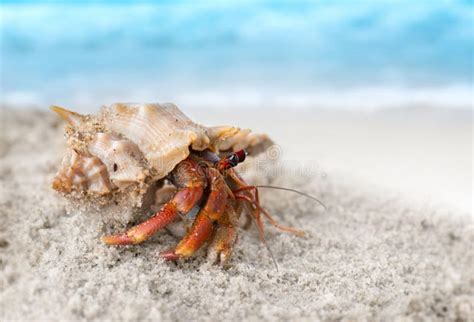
126 148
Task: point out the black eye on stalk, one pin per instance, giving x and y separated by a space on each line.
232 160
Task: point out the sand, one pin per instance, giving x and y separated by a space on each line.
373 255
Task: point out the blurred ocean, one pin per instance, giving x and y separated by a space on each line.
341 54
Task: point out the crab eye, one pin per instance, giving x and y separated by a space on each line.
233 159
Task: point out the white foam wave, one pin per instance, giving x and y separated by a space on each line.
355 99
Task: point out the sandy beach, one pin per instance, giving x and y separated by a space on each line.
394 244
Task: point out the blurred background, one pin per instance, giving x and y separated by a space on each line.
377 91
345 54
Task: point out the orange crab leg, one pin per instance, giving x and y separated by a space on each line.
203 225
244 188
270 218
224 237
198 234
191 187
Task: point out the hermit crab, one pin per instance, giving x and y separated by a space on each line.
127 151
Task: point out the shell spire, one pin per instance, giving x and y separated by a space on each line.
72 118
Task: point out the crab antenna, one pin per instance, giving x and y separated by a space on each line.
264 241
271 255
295 191
257 222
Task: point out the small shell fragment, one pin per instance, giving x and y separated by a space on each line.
84 173
122 158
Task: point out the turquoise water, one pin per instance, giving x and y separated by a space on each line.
222 53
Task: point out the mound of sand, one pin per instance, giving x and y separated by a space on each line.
369 256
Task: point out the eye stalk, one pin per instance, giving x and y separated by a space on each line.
232 160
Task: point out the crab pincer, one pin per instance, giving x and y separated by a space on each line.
190 191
